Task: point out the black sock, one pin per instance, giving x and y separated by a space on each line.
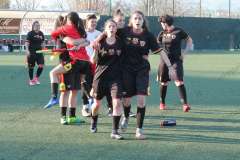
39 71
94 121
72 112
115 124
84 99
127 110
109 101
140 116
63 111
54 89
86 89
183 94
30 72
163 93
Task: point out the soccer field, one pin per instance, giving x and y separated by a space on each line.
210 131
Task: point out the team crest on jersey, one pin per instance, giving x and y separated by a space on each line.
103 52
173 36
142 43
111 52
38 36
128 40
170 36
135 40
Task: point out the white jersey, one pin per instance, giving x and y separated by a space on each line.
91 36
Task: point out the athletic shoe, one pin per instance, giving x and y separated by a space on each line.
90 102
93 128
124 124
162 106
109 114
86 112
74 120
139 134
31 83
116 136
36 80
131 114
52 102
63 120
186 108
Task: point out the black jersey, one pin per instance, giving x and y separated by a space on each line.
171 42
109 60
35 40
136 46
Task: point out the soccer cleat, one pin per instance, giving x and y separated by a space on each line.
124 124
74 120
109 114
139 134
52 102
93 128
36 80
116 136
31 83
162 106
63 120
186 108
90 101
86 112
131 114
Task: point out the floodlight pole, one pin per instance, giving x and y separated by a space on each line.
20 35
110 7
229 8
148 7
173 7
200 8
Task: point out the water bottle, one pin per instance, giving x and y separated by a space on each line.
168 122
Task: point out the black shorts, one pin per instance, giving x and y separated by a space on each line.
102 88
35 58
80 70
135 83
66 83
64 57
163 75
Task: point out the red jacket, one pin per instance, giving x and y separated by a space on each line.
71 31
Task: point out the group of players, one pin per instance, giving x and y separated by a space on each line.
113 63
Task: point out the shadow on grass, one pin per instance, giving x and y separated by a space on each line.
192 138
195 119
201 91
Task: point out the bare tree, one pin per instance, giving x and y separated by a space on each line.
126 7
26 4
4 4
100 6
171 7
60 4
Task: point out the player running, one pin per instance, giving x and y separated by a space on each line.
138 41
107 78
